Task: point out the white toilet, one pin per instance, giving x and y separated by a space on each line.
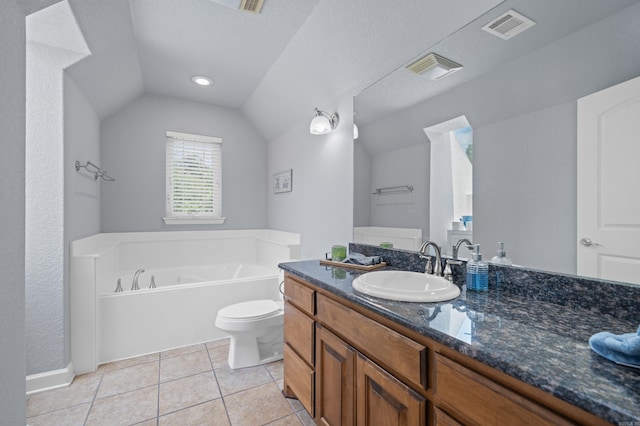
257 331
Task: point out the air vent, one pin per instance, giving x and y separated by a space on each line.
434 66
508 25
252 6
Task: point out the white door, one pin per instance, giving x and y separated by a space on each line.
608 219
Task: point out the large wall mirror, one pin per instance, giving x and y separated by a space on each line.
519 97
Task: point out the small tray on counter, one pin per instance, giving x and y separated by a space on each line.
353 266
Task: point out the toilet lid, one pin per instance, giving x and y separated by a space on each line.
253 309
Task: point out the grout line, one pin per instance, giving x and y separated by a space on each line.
215 377
95 395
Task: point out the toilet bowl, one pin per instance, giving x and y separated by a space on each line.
256 329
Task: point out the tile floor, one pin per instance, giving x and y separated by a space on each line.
186 386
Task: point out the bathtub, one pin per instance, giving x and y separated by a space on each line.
196 274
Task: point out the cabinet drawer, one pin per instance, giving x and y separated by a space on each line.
300 295
387 347
442 419
299 378
485 401
298 332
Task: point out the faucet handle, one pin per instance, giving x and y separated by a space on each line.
429 267
448 273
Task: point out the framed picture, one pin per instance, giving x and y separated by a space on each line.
282 182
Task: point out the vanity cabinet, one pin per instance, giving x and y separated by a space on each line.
299 343
350 366
351 389
335 387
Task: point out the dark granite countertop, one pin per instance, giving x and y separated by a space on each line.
542 341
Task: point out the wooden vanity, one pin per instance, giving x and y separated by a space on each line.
348 365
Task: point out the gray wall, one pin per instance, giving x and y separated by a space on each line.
361 185
81 191
408 166
133 151
12 194
524 120
320 207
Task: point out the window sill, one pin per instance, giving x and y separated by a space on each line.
194 220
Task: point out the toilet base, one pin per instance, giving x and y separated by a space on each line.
255 348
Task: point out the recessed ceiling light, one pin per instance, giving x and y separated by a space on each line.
201 80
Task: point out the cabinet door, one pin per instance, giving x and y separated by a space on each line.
335 380
383 400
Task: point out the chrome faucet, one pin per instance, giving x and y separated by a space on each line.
456 247
423 253
134 285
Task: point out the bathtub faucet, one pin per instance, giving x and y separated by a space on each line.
134 286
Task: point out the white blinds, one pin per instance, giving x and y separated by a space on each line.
194 175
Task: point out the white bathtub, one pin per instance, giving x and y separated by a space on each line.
193 275
196 274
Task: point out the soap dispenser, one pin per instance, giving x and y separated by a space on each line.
477 272
501 256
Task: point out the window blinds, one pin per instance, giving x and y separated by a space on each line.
194 175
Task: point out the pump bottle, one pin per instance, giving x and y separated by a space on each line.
477 272
501 256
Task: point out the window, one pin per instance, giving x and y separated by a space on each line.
194 179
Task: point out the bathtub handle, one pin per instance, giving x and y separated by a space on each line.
152 284
119 286
281 287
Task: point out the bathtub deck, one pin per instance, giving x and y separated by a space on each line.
187 385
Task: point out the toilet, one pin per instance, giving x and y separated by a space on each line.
256 328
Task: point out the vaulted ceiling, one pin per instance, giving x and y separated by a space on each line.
276 66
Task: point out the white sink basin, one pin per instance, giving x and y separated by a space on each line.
406 286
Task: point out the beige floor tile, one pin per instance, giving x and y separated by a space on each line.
184 365
305 418
129 362
295 404
276 369
152 422
83 389
219 356
210 413
182 351
232 381
291 420
257 406
125 408
218 343
66 417
186 392
128 379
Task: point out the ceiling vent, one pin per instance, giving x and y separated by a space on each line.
508 25
252 6
434 66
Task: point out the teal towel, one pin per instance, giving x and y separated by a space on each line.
622 349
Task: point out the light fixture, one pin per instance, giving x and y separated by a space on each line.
323 123
355 131
201 80
434 66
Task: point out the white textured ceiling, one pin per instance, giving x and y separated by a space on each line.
480 52
178 39
297 54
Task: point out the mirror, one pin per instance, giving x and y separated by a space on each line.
520 98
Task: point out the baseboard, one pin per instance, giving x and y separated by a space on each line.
50 379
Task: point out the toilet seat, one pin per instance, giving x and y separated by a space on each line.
251 311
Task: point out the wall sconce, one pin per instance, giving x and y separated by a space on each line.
323 123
